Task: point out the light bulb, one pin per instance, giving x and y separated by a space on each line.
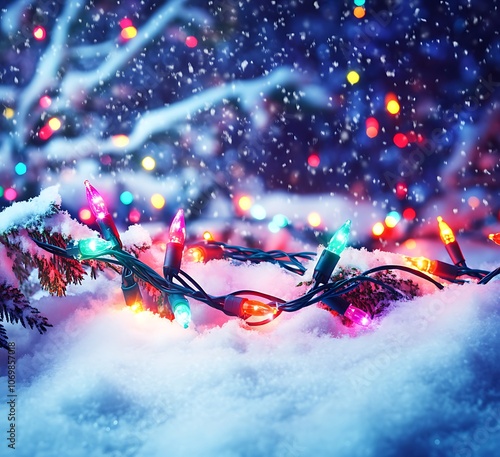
435 267
131 291
247 309
95 201
422 263
203 252
358 316
195 254
495 237
451 244
181 309
339 240
343 307
445 232
331 255
175 245
177 233
256 308
101 213
93 247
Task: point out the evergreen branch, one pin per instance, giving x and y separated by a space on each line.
3 338
15 308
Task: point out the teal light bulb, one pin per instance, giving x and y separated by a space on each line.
182 315
339 240
93 247
181 309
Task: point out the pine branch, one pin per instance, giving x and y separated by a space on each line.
15 308
3 338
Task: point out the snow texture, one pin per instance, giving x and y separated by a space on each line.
107 382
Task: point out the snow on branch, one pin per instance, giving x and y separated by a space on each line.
161 119
48 67
76 82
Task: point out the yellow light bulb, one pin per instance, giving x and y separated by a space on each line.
445 231
423 264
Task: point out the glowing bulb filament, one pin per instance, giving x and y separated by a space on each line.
445 231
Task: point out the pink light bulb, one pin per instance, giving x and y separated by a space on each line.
177 232
357 315
96 202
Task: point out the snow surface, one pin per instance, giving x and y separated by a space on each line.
421 381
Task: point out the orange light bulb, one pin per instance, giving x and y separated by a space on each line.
258 309
423 264
495 237
447 235
195 254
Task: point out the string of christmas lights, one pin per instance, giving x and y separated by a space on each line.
254 307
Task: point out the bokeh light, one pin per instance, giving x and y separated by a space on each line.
353 77
314 219
45 132
10 194
191 41
258 212
392 219
245 202
158 201
120 141
401 190
359 12
473 202
359 2
400 140
134 216
8 113
126 197
148 163
39 33
378 228
409 214
85 215
391 103
410 244
54 123
313 160
281 220
45 101
207 236
20 168
372 127
128 33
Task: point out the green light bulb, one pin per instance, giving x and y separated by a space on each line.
93 247
181 309
339 240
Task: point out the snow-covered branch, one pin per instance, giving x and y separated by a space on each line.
162 119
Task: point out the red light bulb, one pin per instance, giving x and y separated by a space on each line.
101 213
177 232
96 202
175 246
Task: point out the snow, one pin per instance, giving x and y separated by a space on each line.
25 213
107 382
